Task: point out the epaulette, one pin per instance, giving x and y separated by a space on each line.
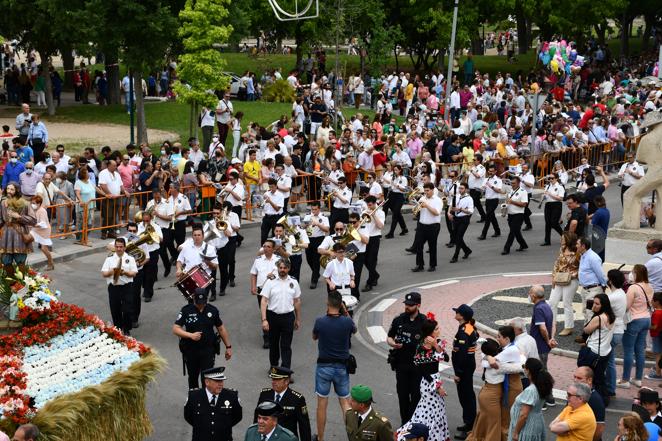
229 389
296 394
266 389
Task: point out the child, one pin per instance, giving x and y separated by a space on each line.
656 336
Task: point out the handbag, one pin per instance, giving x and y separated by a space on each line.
562 278
351 364
586 356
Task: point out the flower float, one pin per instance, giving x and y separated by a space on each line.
67 371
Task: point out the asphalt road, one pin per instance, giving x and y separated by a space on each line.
81 283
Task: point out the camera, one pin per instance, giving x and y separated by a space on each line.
589 304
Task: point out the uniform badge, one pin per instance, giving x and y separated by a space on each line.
291 285
304 410
126 261
227 403
417 336
179 316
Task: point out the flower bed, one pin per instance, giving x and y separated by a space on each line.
69 372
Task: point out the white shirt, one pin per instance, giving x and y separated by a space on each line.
334 175
286 182
376 190
163 208
217 242
495 182
372 229
213 146
402 158
112 180
62 166
518 195
628 179
465 202
207 118
527 345
654 266
224 117
128 264
317 232
346 193
277 198
196 156
181 203
240 190
618 301
189 256
328 242
387 178
528 181
399 184
262 267
280 294
47 193
476 183
360 246
426 217
340 273
555 190
153 246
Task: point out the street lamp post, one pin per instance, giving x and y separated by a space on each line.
449 77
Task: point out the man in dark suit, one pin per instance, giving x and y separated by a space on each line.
295 413
267 427
214 409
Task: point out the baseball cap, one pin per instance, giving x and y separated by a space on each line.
200 296
465 311
413 298
417 430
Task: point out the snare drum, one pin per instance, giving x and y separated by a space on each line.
196 278
350 302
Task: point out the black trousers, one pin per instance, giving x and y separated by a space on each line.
426 233
295 266
465 392
449 226
237 209
120 298
553 212
475 195
491 206
150 269
460 225
196 363
267 227
371 258
408 387
168 250
180 232
265 334
527 214
624 188
281 330
358 270
136 289
396 201
515 222
232 252
313 257
223 255
338 215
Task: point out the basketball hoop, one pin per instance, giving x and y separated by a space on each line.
283 15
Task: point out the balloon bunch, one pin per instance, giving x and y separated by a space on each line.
561 57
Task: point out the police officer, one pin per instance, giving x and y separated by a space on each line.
195 327
464 365
294 415
362 422
403 336
267 427
214 409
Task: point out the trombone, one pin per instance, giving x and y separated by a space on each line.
366 216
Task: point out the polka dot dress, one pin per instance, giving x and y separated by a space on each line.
431 411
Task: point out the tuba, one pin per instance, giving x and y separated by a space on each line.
351 234
138 217
148 236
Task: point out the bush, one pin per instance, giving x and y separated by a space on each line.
279 91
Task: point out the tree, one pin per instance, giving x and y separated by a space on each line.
201 64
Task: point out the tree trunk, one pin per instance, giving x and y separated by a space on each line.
141 122
626 21
522 28
645 37
50 104
298 40
113 72
397 61
191 117
68 63
601 30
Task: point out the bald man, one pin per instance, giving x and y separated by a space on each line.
542 327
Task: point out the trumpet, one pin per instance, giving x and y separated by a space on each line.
330 196
504 210
225 192
419 206
309 225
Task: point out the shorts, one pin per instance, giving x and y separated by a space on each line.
328 373
657 344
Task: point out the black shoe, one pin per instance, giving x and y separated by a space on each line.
481 221
545 244
147 299
504 252
461 435
454 260
166 273
432 269
265 344
481 238
221 293
496 234
389 236
212 297
313 285
135 324
410 250
367 288
467 254
463 428
450 245
173 260
232 284
418 269
404 232
527 228
522 248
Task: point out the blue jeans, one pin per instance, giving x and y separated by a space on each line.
634 347
332 373
610 375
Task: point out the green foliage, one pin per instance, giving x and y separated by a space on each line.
279 91
201 65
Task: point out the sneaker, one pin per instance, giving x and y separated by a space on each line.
636 382
652 376
565 332
623 384
551 403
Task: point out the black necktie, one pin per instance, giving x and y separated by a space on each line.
278 397
360 419
264 437
213 401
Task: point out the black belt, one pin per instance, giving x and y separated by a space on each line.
591 286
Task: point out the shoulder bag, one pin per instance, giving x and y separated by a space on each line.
586 356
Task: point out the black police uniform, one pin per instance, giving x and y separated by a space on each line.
198 355
463 359
407 378
294 414
212 423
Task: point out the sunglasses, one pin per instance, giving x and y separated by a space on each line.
340 229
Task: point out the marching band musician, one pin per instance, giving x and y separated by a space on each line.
374 230
553 196
339 273
119 269
320 228
396 201
286 250
335 174
461 216
284 185
359 260
427 230
296 257
451 191
152 266
182 208
162 212
273 209
493 190
235 194
196 252
341 201
476 183
326 247
374 188
527 181
516 203
222 245
264 268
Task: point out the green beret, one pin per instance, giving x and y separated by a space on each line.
361 393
